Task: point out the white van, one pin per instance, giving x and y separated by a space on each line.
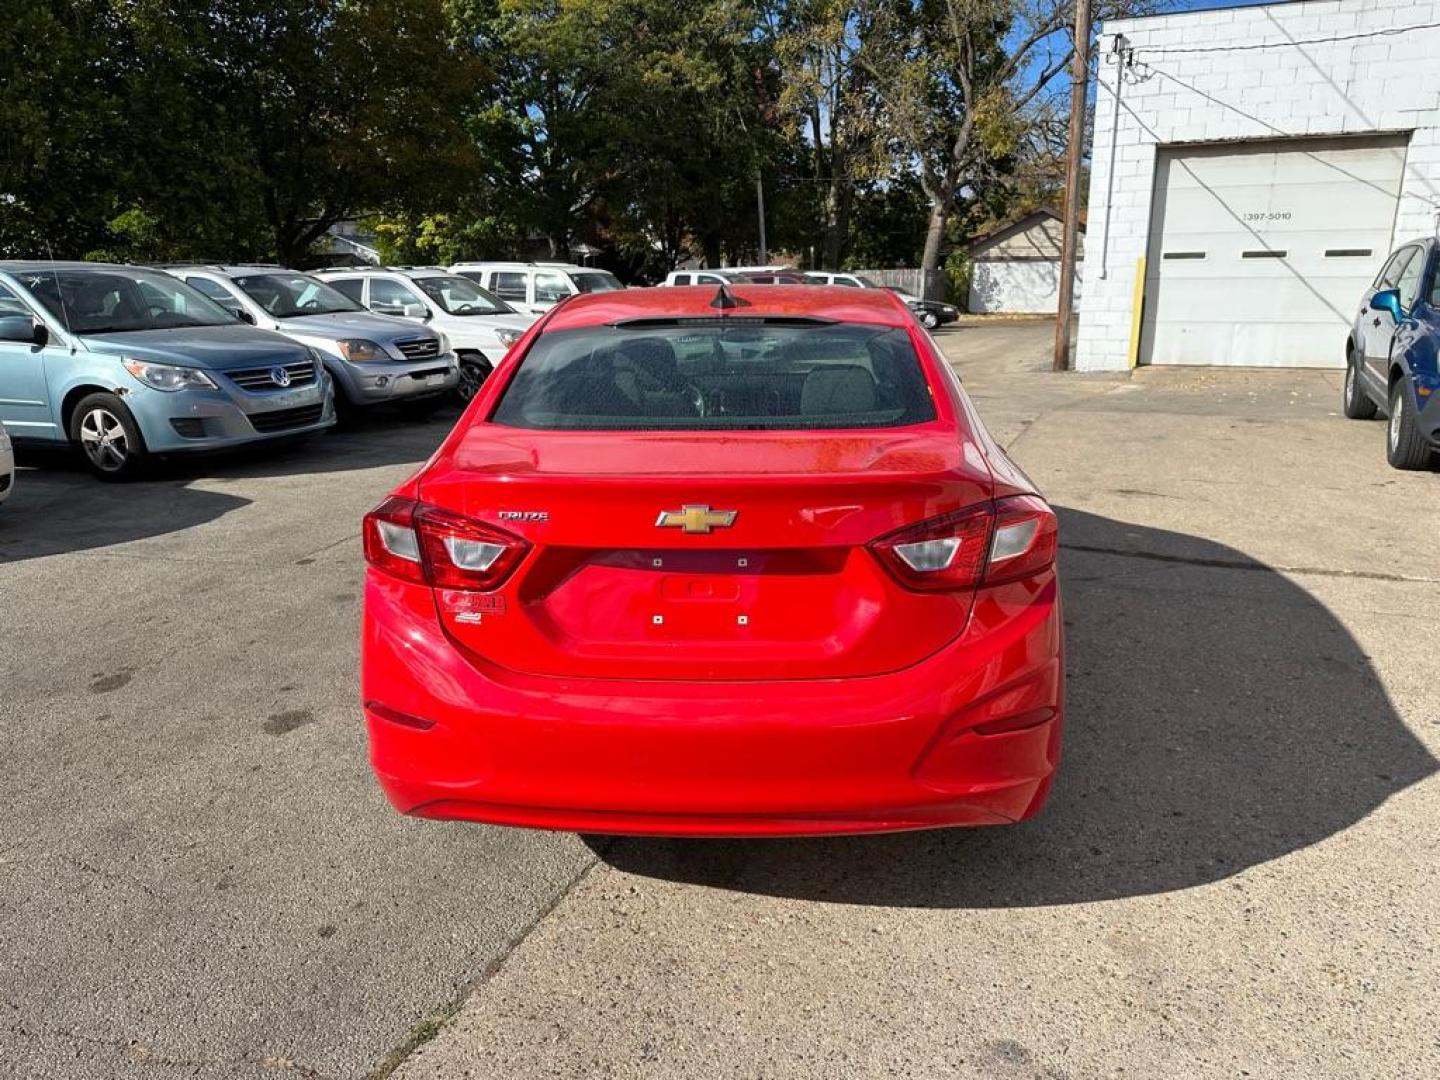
536 287
701 277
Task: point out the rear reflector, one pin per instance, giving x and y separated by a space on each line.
435 547
395 716
1026 538
990 544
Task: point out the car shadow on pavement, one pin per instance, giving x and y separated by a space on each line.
1219 717
368 441
59 507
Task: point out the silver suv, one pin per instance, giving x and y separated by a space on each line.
373 359
481 326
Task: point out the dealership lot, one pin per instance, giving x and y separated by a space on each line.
1236 875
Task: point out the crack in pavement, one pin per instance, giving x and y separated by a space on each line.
1236 564
430 1026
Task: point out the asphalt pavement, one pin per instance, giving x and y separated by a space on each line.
1236 875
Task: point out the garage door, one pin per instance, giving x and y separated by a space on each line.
1259 251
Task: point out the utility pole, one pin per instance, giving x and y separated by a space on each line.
760 209
1079 87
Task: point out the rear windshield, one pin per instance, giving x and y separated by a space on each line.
727 373
589 281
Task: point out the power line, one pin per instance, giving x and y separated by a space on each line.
1279 132
1388 31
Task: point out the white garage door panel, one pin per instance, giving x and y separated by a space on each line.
1212 295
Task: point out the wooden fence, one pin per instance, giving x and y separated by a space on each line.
916 282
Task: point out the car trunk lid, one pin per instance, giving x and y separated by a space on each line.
716 555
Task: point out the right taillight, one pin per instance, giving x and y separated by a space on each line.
435 547
1010 539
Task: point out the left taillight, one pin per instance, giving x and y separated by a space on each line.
992 544
430 546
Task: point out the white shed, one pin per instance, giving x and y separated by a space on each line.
1016 269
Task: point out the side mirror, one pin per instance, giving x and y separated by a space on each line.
24 328
417 311
243 315
1388 300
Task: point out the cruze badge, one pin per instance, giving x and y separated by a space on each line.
695 519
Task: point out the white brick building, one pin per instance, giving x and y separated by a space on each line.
1251 168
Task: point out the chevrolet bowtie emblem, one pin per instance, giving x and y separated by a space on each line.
695 519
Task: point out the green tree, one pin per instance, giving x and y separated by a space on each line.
957 82
60 142
695 126
543 123
350 105
827 97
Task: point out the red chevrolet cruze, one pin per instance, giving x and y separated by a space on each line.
731 563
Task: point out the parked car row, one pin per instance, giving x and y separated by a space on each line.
477 324
124 362
931 313
127 362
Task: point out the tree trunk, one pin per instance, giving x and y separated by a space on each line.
711 244
935 236
837 222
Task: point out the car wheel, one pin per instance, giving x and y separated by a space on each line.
929 320
106 432
474 370
1356 404
1405 447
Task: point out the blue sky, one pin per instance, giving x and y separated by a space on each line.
1061 85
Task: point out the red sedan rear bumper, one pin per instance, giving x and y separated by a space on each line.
968 736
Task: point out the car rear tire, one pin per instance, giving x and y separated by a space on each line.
1405 446
474 370
109 438
929 320
1355 402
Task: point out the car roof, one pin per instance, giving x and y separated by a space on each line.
412 272
25 266
876 306
513 264
230 269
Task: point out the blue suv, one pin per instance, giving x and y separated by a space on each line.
1391 355
123 363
